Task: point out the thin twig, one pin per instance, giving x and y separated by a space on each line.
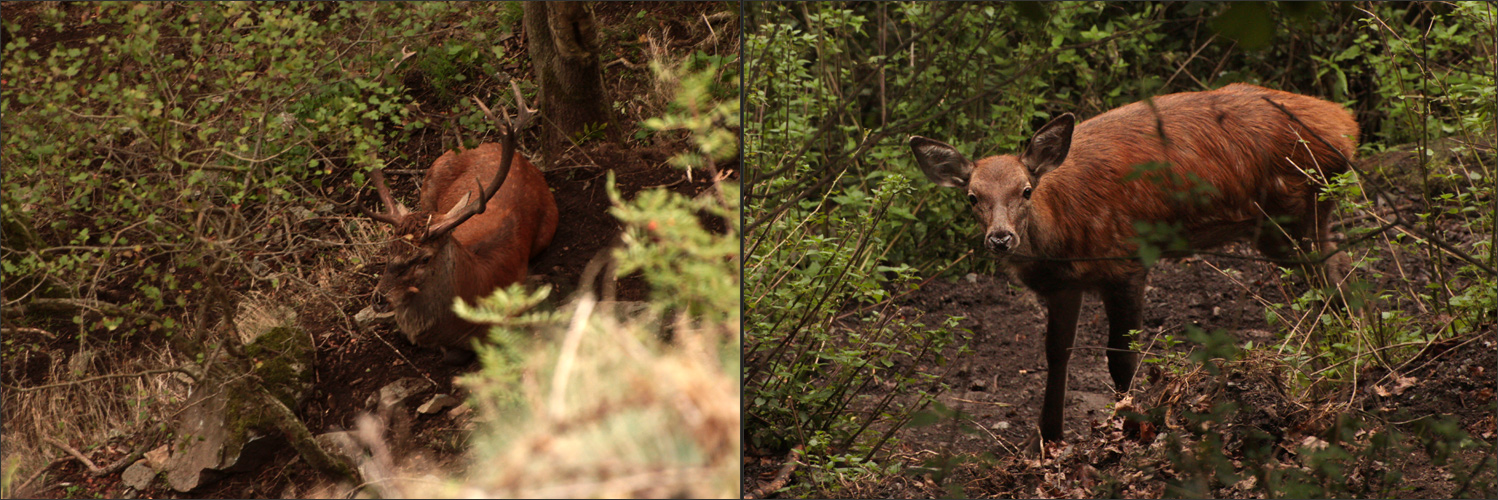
22 329
980 402
623 61
405 171
121 463
178 369
37 474
569 353
92 469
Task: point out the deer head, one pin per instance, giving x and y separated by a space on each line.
999 188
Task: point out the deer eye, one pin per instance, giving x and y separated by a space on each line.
1027 192
972 199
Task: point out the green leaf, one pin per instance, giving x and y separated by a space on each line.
1248 23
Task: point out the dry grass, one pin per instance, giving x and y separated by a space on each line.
92 397
608 411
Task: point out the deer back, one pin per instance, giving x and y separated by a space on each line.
516 224
1217 163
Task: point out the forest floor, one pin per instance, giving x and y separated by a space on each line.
995 391
352 365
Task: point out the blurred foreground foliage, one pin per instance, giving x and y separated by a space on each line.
603 399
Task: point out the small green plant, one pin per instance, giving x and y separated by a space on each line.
513 312
174 178
700 109
590 132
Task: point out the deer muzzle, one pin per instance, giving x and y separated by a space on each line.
1000 241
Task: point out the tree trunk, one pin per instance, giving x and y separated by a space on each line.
563 45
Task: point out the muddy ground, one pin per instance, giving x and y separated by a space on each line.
351 365
997 389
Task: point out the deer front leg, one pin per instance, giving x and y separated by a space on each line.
1124 303
1061 330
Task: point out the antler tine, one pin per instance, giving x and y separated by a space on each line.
487 113
510 129
504 122
375 215
395 210
525 112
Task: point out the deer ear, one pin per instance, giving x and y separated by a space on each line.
1049 146
941 162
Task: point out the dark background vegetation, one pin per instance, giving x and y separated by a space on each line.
166 165
883 357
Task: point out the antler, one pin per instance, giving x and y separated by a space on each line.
394 209
510 130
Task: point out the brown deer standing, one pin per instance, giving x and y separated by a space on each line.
1061 215
465 238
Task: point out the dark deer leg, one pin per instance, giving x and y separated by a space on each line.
1061 330
1124 303
1334 270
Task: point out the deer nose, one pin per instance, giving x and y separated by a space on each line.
999 241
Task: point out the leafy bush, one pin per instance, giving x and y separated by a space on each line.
183 154
192 148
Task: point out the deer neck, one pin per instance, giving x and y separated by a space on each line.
1038 225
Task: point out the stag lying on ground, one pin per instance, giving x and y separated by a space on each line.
465 238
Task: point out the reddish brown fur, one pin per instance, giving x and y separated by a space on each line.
488 251
498 231
1230 138
1073 234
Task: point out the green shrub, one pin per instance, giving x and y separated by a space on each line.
189 132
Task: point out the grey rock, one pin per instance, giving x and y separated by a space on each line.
368 316
225 426
342 444
460 411
138 475
346 445
200 453
157 458
256 317
399 393
437 403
